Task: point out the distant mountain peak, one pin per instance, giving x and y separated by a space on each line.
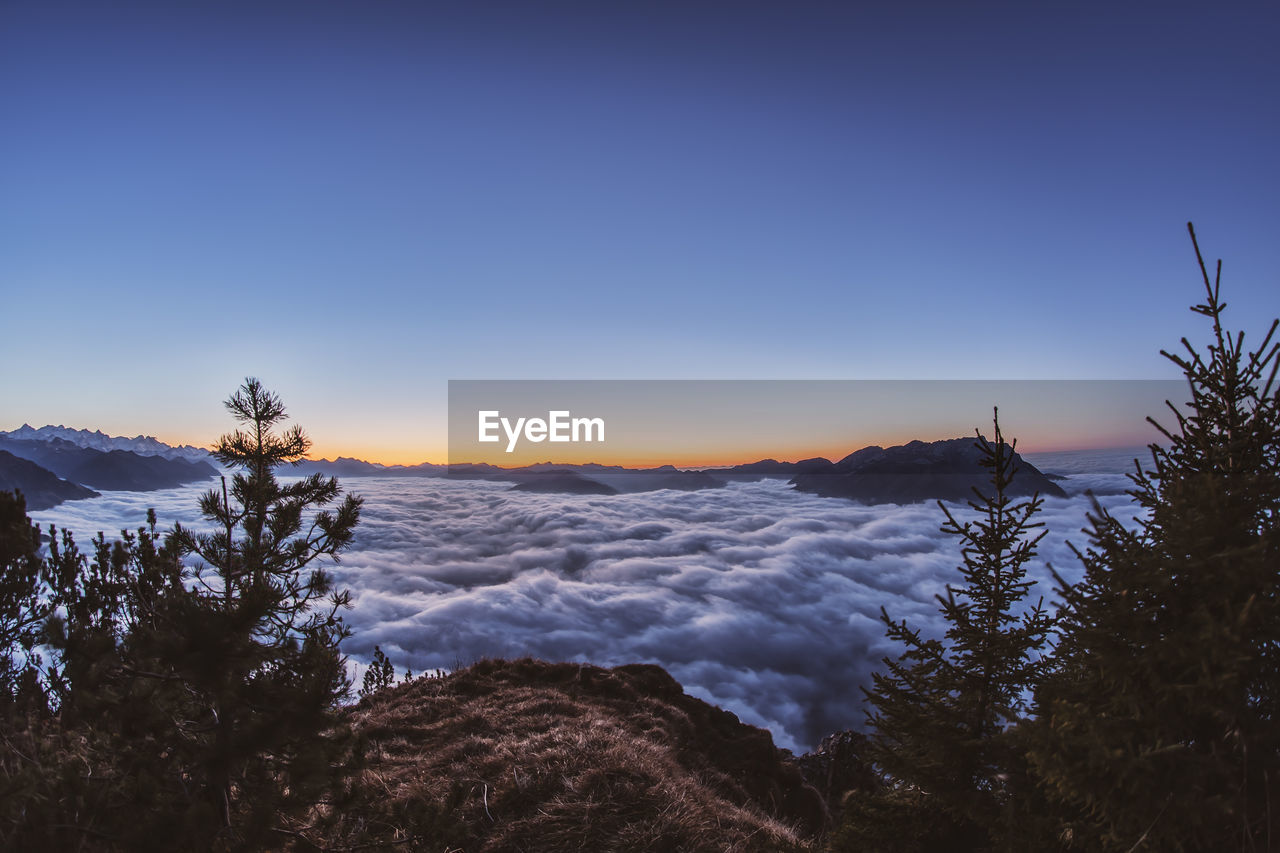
143 445
41 487
113 465
920 471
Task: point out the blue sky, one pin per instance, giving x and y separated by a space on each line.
357 202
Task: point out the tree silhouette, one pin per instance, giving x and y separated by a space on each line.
22 608
203 693
263 627
380 675
1160 729
941 713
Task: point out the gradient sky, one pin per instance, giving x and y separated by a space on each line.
356 202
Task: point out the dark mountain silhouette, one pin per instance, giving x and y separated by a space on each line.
561 482
549 477
477 471
771 469
42 488
539 477
345 466
918 471
113 470
629 480
909 473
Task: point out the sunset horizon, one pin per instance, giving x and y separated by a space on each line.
613 393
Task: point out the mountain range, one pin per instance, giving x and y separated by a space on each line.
143 445
50 470
907 473
42 488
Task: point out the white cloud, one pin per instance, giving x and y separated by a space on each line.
756 597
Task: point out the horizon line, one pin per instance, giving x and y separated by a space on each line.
655 463
673 457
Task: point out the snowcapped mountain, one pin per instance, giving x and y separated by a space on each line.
143 445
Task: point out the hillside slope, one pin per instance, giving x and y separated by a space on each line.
41 487
534 756
110 470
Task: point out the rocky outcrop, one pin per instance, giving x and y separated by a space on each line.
536 756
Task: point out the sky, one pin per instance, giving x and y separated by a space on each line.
359 202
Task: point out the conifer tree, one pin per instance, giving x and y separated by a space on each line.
1160 729
260 648
22 610
194 701
380 675
96 607
941 714
74 778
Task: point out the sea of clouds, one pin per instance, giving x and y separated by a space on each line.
757 598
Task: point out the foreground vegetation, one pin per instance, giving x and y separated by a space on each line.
186 691
535 756
1147 716
188 695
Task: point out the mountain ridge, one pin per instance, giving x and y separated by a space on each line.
110 470
42 488
143 445
907 473
920 471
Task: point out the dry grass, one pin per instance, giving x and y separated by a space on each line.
533 756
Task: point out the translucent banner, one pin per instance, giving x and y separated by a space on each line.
716 423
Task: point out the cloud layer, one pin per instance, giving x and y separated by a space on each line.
755 597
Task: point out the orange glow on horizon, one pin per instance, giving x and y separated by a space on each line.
439 455
708 424
380 454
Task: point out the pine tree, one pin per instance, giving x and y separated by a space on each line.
22 606
194 703
1160 729
380 675
941 714
260 646
96 605
74 778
